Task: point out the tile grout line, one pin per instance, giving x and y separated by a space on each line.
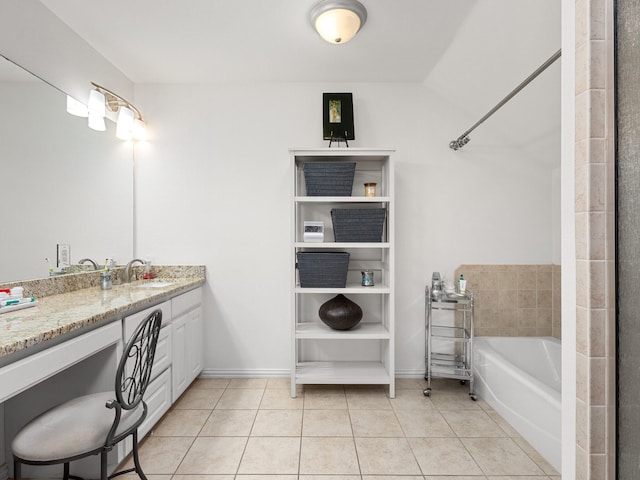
395 409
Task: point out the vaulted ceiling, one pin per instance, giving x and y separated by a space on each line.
470 52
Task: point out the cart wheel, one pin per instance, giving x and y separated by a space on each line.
463 382
426 392
473 396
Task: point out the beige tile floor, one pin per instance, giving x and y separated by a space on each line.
251 429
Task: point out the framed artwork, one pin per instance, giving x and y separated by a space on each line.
337 116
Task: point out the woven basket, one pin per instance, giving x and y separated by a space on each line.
358 224
324 179
323 269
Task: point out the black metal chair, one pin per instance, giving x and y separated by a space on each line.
94 424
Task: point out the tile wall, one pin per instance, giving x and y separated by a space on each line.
515 300
595 241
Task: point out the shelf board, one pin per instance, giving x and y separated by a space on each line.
304 199
353 288
450 333
341 245
363 331
450 372
361 373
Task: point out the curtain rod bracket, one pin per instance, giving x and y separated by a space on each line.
459 142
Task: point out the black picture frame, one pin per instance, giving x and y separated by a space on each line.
337 116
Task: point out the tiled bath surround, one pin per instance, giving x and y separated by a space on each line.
595 240
515 300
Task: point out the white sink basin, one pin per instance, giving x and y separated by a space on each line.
154 285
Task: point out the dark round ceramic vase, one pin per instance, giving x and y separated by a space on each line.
340 313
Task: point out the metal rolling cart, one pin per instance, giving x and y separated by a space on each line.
458 361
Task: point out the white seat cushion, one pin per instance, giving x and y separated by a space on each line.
73 428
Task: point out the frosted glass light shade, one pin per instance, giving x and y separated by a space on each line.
337 21
74 107
96 122
139 130
97 104
124 125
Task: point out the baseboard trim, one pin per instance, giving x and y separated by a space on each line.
279 373
234 373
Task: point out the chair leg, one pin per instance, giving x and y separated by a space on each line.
136 459
66 471
17 469
103 465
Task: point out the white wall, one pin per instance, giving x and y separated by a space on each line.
213 188
31 36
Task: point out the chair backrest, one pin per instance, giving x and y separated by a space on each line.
134 369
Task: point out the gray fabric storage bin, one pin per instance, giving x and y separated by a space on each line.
325 179
358 224
323 269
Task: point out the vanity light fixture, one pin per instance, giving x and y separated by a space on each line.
97 111
337 21
103 102
74 107
97 123
124 124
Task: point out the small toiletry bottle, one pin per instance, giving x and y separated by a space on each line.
105 279
147 270
462 284
105 276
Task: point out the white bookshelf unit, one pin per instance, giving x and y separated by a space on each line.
364 354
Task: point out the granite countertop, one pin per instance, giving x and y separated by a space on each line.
60 315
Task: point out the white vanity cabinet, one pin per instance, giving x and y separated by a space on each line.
178 358
187 340
87 361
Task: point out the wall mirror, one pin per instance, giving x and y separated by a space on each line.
62 183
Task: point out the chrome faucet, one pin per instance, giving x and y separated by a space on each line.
126 274
84 260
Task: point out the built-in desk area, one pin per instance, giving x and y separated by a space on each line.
70 343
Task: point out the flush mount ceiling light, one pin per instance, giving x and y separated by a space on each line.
337 21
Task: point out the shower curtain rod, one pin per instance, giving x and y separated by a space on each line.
463 139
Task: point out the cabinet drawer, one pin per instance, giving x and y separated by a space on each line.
187 301
162 360
132 321
158 400
164 353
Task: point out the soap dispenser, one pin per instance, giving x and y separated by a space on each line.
147 270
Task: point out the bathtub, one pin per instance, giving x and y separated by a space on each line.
520 377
